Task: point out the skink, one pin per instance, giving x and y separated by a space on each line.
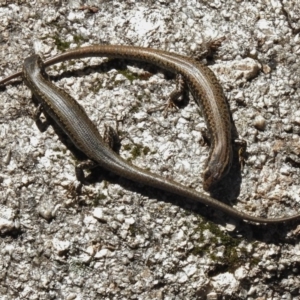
202 83
73 120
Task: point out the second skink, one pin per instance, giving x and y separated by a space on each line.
73 120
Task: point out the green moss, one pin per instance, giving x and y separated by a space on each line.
127 147
136 151
72 62
61 45
128 74
199 250
78 39
146 150
233 255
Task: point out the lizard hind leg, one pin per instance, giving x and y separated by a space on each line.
175 98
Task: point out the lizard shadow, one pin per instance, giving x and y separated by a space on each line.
227 191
